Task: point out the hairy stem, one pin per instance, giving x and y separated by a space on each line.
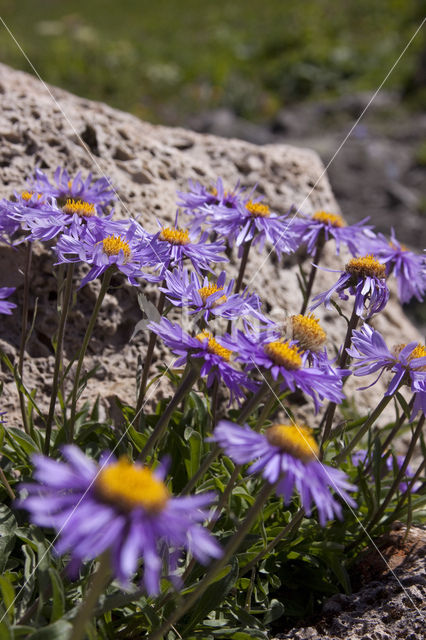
104 287
99 581
58 355
312 274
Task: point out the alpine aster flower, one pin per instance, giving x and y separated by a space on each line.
209 298
361 458
5 306
406 362
323 226
286 364
119 506
97 192
288 454
100 247
408 268
200 202
252 221
177 245
365 278
214 357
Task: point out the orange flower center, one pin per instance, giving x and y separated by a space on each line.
332 218
366 266
258 210
174 236
297 440
283 354
213 346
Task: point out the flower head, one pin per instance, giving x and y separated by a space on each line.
200 202
98 192
408 267
99 246
285 361
5 306
175 245
119 506
322 226
365 278
407 362
211 297
288 454
213 353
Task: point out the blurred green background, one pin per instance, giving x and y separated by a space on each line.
167 60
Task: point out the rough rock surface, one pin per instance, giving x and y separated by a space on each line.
391 603
46 127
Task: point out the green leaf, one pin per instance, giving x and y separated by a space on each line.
8 593
214 595
25 442
8 528
404 405
58 596
195 447
60 630
138 439
275 611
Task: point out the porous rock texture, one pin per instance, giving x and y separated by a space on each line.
47 127
390 605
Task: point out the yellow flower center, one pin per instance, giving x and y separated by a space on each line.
27 195
213 346
174 236
418 352
366 266
307 330
81 208
283 354
297 440
258 210
129 486
112 246
332 218
205 292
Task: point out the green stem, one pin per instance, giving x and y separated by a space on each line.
316 259
149 353
58 355
182 390
205 465
104 287
408 490
217 566
367 424
99 581
289 528
6 484
380 511
24 337
243 265
331 409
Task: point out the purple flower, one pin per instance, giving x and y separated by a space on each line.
200 202
100 247
252 221
365 278
97 192
214 357
406 362
210 298
288 454
176 245
5 306
122 507
323 226
361 458
408 268
286 364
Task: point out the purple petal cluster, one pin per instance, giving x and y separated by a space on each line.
276 463
214 356
286 364
122 245
323 226
211 298
406 362
90 515
408 267
364 278
98 192
6 307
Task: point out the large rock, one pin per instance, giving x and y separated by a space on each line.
48 127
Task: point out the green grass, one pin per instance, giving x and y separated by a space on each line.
167 59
